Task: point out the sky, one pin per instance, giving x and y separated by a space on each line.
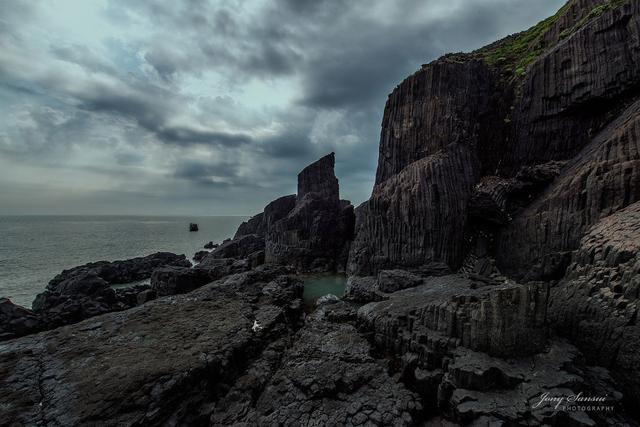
197 107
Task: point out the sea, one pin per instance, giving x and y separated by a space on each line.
33 249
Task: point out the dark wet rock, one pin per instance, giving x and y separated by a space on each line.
255 225
596 304
180 280
361 289
193 227
339 311
411 219
603 178
210 245
146 296
165 362
199 256
315 234
255 259
126 271
395 280
327 299
477 387
502 320
86 291
278 209
239 248
327 377
16 321
128 296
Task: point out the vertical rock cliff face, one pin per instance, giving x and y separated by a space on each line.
315 234
470 127
417 216
517 161
433 124
603 178
578 86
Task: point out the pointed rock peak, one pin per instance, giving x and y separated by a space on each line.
319 177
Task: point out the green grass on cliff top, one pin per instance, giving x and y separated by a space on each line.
515 53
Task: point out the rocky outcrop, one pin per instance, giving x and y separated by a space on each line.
115 272
315 234
602 179
239 248
86 291
310 230
166 362
327 377
501 320
16 321
480 390
596 305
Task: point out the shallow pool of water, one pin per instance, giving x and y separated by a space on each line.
317 286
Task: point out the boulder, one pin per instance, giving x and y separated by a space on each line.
327 300
210 245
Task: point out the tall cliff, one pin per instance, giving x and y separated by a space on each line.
498 163
562 91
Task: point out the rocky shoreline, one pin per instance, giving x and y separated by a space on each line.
493 275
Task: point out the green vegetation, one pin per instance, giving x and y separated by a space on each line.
593 13
515 53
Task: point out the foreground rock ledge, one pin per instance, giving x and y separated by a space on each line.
166 361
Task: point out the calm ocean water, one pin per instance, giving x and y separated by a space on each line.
33 249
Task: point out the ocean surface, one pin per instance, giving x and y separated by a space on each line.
33 249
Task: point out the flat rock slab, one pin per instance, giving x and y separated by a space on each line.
163 362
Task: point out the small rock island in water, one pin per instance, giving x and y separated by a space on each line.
492 279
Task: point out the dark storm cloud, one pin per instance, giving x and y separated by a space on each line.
145 95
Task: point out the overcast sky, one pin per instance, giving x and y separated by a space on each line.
210 107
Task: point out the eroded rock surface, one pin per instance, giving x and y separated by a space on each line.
165 362
315 234
327 377
502 320
596 305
